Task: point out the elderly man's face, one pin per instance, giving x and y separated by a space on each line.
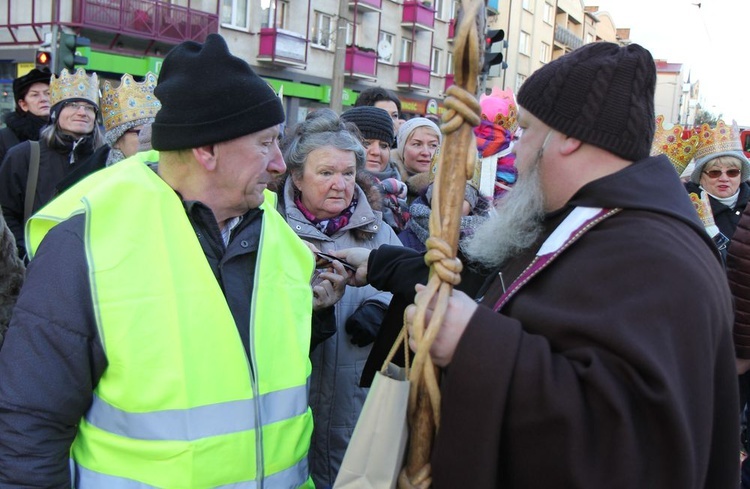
245 166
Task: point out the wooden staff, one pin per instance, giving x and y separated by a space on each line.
455 165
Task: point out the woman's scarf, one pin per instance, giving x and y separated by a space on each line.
326 226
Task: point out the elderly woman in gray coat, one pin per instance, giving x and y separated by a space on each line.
325 203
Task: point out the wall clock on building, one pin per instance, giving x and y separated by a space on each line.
385 50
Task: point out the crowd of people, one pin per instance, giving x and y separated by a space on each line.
195 295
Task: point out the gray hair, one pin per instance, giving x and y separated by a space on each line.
320 128
51 134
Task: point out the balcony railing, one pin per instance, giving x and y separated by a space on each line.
414 76
448 82
418 15
361 64
282 47
451 30
149 19
366 5
567 38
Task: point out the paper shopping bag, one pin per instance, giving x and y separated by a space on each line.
375 453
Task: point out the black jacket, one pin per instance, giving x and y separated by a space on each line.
55 163
19 128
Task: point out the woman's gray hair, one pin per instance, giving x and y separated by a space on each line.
321 128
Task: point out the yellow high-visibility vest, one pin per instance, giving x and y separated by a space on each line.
180 405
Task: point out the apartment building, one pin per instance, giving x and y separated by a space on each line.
403 45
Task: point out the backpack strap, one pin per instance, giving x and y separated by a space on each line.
31 181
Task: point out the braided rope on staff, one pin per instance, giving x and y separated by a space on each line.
454 167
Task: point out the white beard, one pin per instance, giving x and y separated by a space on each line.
515 226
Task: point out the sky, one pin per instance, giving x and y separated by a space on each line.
712 41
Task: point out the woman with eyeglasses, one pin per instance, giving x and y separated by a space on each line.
71 136
721 174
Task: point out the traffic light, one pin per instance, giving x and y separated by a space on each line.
43 59
66 52
492 38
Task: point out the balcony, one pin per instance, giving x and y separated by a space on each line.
418 15
448 82
413 76
154 20
451 30
283 47
360 63
567 38
366 5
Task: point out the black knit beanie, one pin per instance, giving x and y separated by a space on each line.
601 93
372 122
209 96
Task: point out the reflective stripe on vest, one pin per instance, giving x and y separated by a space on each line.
198 422
179 404
295 476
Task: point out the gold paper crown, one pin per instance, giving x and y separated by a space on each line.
130 101
669 141
77 85
510 121
717 139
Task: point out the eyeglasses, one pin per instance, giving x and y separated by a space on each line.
731 173
81 105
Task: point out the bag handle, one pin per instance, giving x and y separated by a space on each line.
403 337
31 180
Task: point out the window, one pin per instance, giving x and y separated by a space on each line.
449 65
322 30
234 13
352 35
544 54
437 55
548 15
454 9
438 6
405 56
275 15
528 5
589 38
385 47
519 81
524 43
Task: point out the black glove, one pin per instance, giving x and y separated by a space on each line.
364 323
323 326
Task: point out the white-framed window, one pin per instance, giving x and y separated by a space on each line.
549 14
322 32
406 46
528 5
235 14
455 4
276 15
524 43
385 47
519 81
544 53
438 6
589 38
449 64
353 36
437 56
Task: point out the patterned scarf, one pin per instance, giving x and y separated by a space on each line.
326 226
491 138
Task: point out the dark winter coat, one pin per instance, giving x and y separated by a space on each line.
11 276
55 163
19 128
738 272
611 367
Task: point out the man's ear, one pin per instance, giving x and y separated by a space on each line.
206 156
570 145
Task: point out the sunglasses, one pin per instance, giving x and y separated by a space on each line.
731 173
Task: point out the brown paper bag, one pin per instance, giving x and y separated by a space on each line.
375 453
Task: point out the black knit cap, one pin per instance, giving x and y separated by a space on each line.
372 122
209 96
22 84
601 93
